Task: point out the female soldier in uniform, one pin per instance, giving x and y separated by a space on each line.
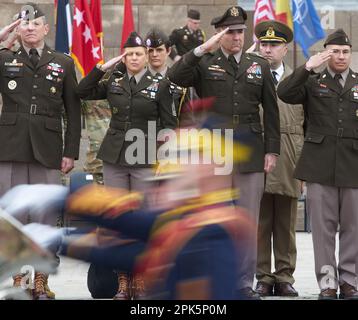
138 101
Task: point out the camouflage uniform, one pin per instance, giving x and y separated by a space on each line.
97 115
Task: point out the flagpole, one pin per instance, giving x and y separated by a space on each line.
294 55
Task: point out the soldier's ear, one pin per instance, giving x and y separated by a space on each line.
47 28
169 50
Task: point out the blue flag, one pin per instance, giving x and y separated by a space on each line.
63 27
306 24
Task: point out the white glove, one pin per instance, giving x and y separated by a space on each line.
35 198
46 237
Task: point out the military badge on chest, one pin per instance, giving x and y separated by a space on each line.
13 69
152 90
216 71
254 71
355 93
116 85
12 84
55 75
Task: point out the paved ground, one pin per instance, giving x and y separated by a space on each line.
70 282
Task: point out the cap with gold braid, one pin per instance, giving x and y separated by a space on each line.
273 31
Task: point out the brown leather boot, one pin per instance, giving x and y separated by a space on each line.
138 288
123 287
41 290
18 283
17 280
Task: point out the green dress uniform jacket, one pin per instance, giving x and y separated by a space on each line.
330 151
238 96
151 101
184 40
34 99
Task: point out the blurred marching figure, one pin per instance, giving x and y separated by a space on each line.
189 243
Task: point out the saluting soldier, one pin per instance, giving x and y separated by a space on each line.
279 203
329 161
188 37
37 84
240 82
135 99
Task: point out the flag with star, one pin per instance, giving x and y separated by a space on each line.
86 49
96 10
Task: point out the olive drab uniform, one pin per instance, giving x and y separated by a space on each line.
332 115
328 165
237 97
279 203
185 40
33 101
180 101
150 102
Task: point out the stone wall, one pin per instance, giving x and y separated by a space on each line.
169 14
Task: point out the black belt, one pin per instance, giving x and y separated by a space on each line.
34 109
245 118
338 132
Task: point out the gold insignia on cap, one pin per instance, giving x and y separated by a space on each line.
234 12
53 90
270 32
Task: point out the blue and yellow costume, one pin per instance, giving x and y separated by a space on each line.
191 252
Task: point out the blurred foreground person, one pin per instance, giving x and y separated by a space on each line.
188 245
